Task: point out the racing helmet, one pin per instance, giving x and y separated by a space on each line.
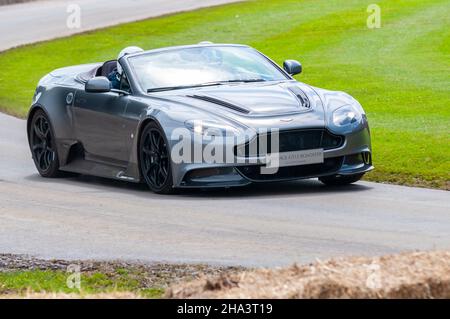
124 52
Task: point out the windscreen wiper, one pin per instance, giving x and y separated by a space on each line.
180 87
243 81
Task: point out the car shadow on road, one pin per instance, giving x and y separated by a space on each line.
290 188
299 187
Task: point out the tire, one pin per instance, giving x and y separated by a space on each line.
154 158
43 145
338 180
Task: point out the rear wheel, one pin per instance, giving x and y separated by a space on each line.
43 146
155 159
340 179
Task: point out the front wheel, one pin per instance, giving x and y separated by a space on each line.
336 180
43 145
155 159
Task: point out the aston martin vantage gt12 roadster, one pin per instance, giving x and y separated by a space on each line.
206 115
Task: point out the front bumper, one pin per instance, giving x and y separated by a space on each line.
354 156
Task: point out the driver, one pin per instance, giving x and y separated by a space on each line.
116 74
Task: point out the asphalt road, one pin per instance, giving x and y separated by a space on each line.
44 20
86 217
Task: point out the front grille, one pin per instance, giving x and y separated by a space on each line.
328 167
289 141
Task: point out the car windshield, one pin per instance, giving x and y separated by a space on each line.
201 66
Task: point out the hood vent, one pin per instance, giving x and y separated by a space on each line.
220 102
301 96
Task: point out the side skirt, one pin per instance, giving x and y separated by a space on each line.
87 167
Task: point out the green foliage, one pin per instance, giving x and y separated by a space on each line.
20 282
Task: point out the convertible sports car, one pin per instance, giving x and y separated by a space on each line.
176 105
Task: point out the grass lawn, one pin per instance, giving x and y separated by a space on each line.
25 276
400 72
116 283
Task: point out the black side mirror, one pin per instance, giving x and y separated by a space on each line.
292 67
99 84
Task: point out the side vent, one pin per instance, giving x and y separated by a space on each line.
76 152
220 102
301 96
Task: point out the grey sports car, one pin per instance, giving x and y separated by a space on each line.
206 115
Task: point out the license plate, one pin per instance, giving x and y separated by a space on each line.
296 158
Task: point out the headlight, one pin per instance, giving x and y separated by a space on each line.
347 118
211 128
346 115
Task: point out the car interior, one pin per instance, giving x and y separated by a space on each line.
106 68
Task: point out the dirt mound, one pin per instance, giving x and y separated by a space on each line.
407 275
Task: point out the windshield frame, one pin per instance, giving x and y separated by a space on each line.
135 76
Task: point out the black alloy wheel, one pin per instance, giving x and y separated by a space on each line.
155 160
43 146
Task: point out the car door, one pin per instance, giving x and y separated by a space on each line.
100 126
